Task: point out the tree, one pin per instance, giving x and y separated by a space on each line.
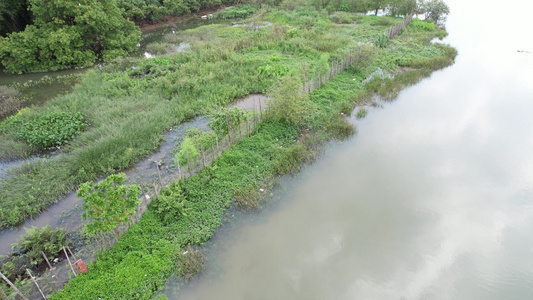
69 34
434 10
14 16
401 7
109 203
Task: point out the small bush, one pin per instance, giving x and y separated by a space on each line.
249 197
423 25
45 239
361 113
218 121
342 17
10 100
381 41
234 12
170 204
190 263
341 129
51 130
194 138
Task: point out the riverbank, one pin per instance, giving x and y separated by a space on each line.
251 63
131 269
130 104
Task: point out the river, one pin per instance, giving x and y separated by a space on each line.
431 199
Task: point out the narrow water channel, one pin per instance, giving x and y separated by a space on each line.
431 199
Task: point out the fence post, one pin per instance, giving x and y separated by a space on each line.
37 285
179 169
229 130
260 110
218 150
247 124
203 154
155 189
69 263
159 174
188 163
13 286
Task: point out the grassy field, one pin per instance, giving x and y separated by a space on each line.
127 110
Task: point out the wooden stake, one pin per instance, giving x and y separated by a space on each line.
46 259
188 163
71 253
69 263
212 147
203 154
159 174
229 130
240 134
13 286
260 111
218 150
155 189
179 169
37 285
247 125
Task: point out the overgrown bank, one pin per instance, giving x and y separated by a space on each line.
139 264
128 105
122 102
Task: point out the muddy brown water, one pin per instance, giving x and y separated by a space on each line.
431 199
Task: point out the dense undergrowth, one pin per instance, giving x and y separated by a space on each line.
128 109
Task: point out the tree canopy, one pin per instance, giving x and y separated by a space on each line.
14 16
68 34
108 203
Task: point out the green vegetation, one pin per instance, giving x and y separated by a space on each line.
128 109
27 251
109 203
49 130
235 12
67 34
10 101
190 263
275 148
14 16
361 113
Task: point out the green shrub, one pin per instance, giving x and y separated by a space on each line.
381 40
27 250
234 12
218 121
51 130
109 203
10 100
12 122
341 17
273 71
361 113
45 239
170 204
423 25
190 263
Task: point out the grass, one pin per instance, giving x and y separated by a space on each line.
128 109
136 267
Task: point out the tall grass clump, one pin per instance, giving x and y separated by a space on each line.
235 12
10 101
